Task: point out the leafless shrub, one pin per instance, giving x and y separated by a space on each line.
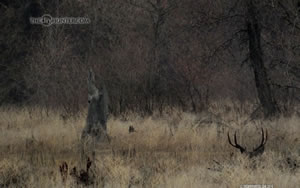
81 177
131 129
63 169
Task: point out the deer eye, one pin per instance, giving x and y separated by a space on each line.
89 101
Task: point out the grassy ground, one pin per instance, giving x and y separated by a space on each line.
174 150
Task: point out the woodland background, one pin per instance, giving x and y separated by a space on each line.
152 54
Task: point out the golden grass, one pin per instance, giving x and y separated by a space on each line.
174 150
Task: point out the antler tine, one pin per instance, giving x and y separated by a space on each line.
236 145
266 137
263 140
242 149
235 140
262 136
230 140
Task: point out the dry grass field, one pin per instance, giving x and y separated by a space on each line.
176 149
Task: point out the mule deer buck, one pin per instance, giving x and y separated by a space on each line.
257 151
97 111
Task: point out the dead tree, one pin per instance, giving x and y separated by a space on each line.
264 92
97 111
257 151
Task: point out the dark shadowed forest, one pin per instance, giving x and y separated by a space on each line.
152 54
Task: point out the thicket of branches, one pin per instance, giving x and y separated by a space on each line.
152 54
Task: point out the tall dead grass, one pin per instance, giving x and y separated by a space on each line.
174 150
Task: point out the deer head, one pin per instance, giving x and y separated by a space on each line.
93 91
256 151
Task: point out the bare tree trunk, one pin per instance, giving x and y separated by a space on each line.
265 95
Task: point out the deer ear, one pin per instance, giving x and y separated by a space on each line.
92 89
91 76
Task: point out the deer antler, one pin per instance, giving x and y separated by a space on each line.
257 151
236 145
260 149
